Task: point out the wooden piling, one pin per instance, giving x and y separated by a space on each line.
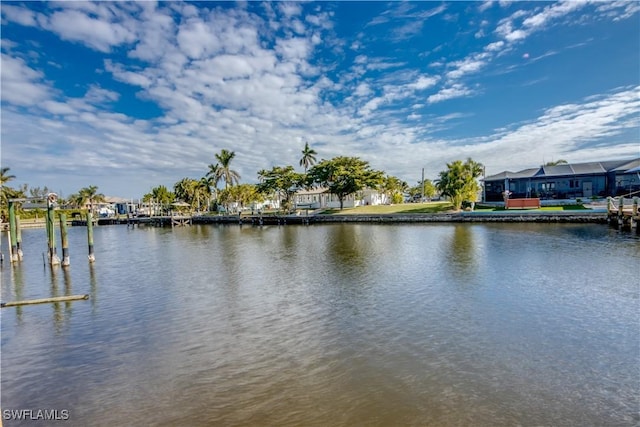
51 236
66 261
18 239
45 300
92 257
13 244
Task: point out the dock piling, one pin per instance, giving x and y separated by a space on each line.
13 244
66 261
51 227
19 238
92 257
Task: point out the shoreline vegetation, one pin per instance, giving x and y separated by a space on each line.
439 211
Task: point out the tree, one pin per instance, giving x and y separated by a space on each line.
344 176
226 173
393 188
213 176
202 190
242 194
88 195
160 195
459 182
308 157
38 192
427 188
556 163
284 181
5 176
6 193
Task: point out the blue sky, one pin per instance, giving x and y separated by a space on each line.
127 96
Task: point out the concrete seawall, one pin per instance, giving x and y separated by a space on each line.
546 217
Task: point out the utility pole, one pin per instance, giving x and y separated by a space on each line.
422 187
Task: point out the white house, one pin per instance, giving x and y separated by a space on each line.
319 198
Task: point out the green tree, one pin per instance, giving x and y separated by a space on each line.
556 163
160 195
242 194
427 188
40 193
459 182
88 195
202 191
308 157
229 176
344 176
185 190
213 177
192 191
6 193
283 181
5 176
393 187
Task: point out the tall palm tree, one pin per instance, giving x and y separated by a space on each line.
308 157
229 175
213 176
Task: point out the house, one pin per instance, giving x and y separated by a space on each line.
319 198
567 181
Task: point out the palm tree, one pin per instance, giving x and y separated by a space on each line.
203 188
229 175
556 163
213 176
89 195
4 177
308 157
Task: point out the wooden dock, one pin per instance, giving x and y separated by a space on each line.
623 213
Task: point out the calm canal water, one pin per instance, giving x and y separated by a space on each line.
330 325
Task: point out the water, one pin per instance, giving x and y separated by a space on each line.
341 325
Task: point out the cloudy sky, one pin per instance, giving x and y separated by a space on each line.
127 96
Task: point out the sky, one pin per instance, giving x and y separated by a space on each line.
131 95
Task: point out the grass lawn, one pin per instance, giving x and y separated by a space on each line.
432 208
403 208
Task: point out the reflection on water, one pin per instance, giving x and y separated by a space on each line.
346 324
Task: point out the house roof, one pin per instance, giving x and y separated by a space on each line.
312 191
632 166
570 169
525 173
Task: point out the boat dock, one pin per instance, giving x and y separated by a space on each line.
623 214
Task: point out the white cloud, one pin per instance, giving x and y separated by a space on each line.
76 26
425 82
21 84
466 66
19 15
456 90
196 39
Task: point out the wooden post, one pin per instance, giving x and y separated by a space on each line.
18 239
635 206
45 300
64 241
9 240
621 207
92 257
53 256
13 244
